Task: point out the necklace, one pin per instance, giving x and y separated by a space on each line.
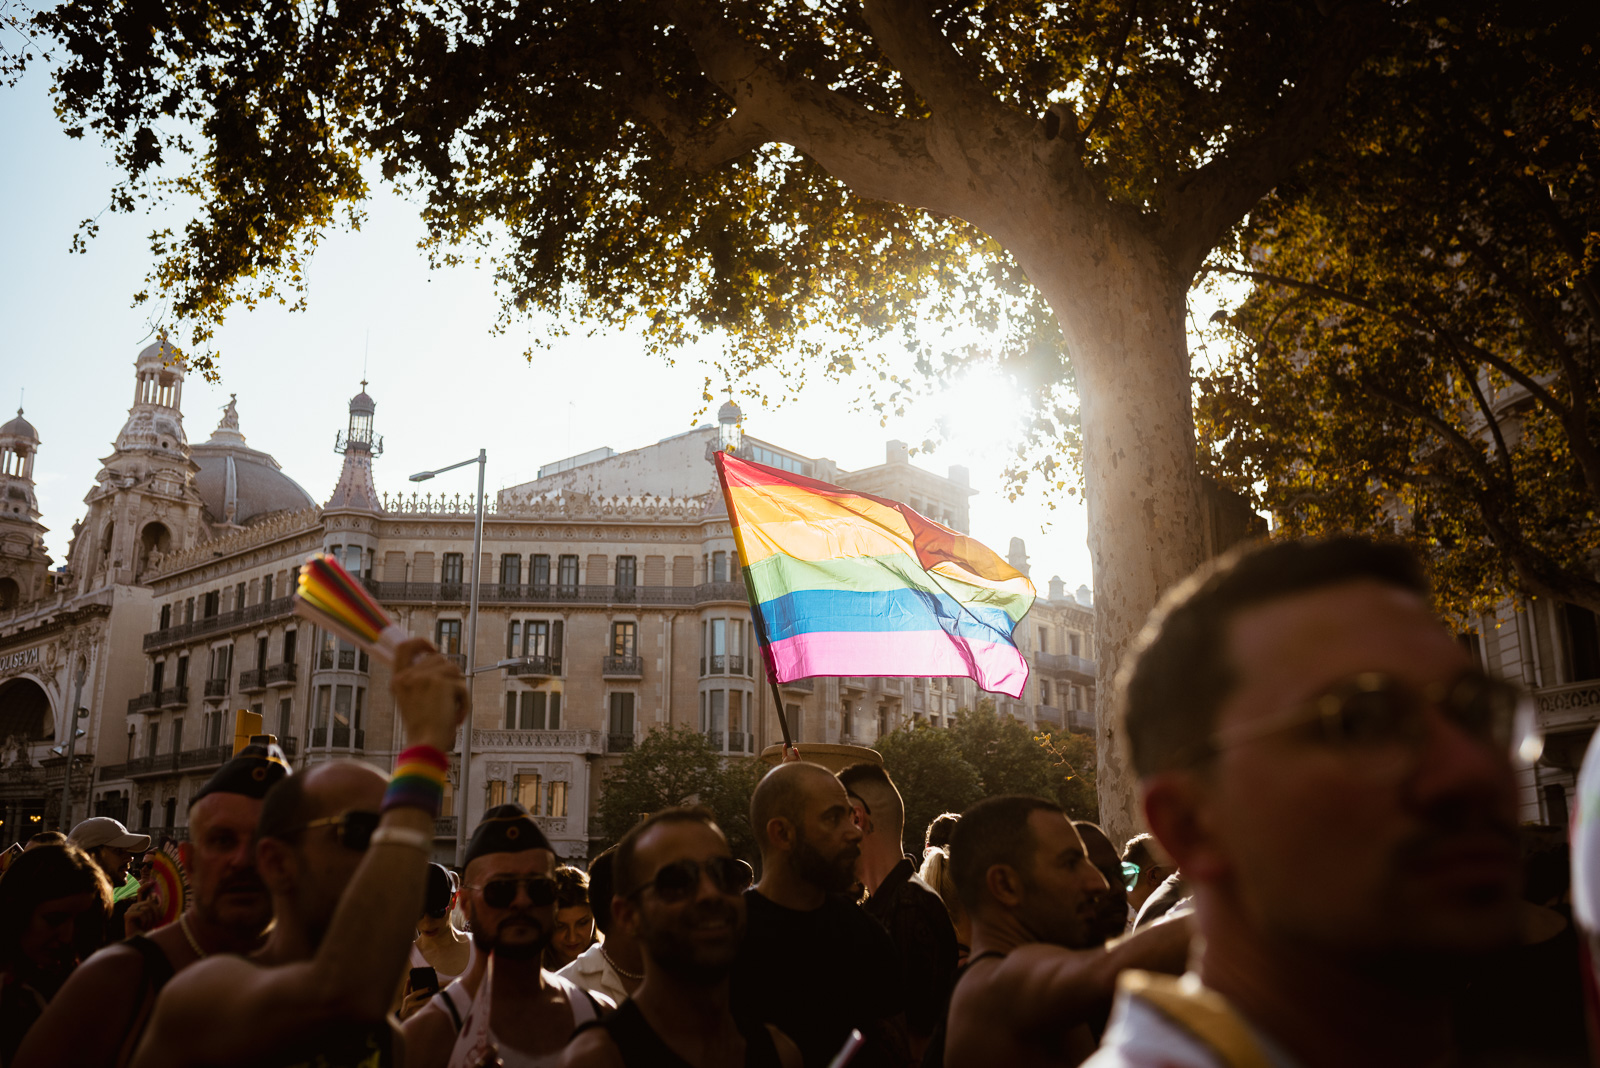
194 944
635 976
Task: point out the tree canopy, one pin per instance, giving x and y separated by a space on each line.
677 766
1417 352
797 177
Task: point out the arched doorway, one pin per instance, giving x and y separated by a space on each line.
155 542
25 712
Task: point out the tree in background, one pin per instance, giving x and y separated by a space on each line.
801 178
678 766
931 774
1417 354
1005 753
1072 769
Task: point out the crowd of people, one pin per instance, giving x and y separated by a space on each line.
1334 875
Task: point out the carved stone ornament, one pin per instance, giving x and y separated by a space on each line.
496 771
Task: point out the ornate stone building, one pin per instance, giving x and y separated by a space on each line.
610 603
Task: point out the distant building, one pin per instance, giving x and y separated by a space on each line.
610 603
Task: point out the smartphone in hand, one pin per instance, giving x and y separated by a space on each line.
425 979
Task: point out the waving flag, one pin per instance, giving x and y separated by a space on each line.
846 583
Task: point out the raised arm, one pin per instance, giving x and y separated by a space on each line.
227 1010
1041 983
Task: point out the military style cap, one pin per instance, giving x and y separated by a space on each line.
505 829
253 771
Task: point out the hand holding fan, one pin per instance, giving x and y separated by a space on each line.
170 888
331 598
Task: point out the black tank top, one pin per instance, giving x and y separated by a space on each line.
933 1056
641 1047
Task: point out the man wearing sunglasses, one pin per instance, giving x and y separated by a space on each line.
228 912
1334 777
347 886
513 1009
681 897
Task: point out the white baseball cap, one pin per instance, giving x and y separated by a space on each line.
100 831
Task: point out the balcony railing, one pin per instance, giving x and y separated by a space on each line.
225 621
1081 720
174 697
1049 714
216 687
853 682
211 756
343 738
631 667
556 593
459 660
801 685
444 827
619 743
1066 662
732 741
252 680
288 745
280 674
538 666
891 685
177 834
144 702
581 741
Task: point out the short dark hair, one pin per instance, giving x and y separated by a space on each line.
47 838
940 829
874 779
1138 851
1178 674
44 874
286 809
993 831
625 867
602 887
572 887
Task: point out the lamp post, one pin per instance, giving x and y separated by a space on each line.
482 460
71 746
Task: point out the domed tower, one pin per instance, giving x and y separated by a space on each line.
240 485
24 565
359 445
144 505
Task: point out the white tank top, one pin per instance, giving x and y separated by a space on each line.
477 1044
445 978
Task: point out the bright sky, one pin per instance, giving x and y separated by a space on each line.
444 385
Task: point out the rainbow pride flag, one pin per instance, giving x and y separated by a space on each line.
846 583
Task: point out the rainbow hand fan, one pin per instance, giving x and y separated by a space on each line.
330 598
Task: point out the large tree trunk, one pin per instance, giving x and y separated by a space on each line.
1123 315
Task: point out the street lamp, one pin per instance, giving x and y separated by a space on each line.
482 460
73 734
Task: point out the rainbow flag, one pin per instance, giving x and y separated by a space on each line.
845 583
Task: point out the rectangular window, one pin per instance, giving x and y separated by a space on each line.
623 638
556 802
352 560
567 575
627 572
511 569
213 603
554 722
622 714
325 658
238 597
529 792
1044 639
266 588
450 568
497 792
533 710
536 638
341 706
719 711
285 707
182 678
261 653
514 639
347 656
152 738
447 635
177 735
796 723
324 704
556 628
166 616
718 662
288 647
355 720
719 566
735 713
1074 645
539 569
188 610
1583 643
157 677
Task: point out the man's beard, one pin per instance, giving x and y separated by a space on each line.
1049 920
234 914
673 949
830 876
490 942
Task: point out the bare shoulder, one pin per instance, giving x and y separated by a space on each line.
788 1052
429 1037
592 1048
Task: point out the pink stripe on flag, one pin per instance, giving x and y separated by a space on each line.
997 666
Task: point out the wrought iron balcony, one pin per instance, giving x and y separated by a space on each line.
211 756
890 685
216 687
1049 715
145 702
1066 663
557 593
535 666
174 697
289 745
444 827
1081 720
627 667
220 623
253 680
619 743
459 660
343 738
801 685
280 674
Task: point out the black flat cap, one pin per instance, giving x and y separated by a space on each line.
253 771
505 829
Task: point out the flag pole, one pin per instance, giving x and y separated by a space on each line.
756 622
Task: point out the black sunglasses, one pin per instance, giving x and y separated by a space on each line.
352 829
679 880
500 893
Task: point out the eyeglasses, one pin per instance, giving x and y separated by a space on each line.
1130 874
679 880
1376 710
500 893
352 829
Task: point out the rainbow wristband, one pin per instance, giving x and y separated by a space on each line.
418 780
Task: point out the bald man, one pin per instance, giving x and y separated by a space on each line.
347 880
813 964
909 909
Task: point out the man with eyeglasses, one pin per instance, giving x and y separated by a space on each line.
681 897
228 912
515 1010
1145 866
1334 777
343 852
813 963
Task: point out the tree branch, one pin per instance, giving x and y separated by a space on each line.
1111 75
905 31
1216 196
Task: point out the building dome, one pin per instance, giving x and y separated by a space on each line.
159 353
361 403
20 429
730 413
239 484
